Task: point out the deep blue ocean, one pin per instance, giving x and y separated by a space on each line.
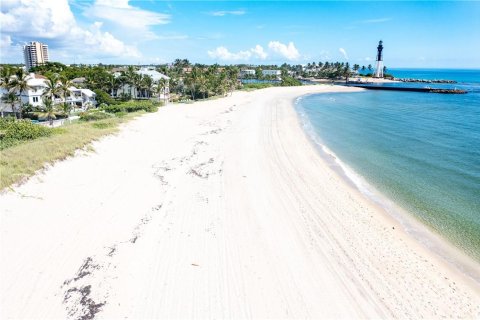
420 150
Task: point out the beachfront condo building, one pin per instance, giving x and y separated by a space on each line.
272 73
35 53
247 73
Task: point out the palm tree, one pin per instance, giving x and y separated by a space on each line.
20 86
10 98
64 89
52 89
346 72
160 88
203 85
6 78
49 108
369 67
6 83
122 81
147 85
114 83
192 81
221 86
131 79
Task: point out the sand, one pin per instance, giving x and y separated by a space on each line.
218 209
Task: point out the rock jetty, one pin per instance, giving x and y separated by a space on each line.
424 80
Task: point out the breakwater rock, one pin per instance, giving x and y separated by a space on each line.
424 80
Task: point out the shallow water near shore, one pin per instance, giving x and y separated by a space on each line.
420 150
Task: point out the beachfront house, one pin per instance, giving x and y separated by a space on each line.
277 74
77 98
139 90
80 98
247 73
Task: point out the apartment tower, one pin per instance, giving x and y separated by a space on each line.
35 53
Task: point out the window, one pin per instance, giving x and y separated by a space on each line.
35 99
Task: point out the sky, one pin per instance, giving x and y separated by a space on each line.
426 34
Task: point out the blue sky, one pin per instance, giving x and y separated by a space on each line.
416 34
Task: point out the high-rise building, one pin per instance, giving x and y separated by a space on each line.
35 53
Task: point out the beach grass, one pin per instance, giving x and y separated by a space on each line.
23 160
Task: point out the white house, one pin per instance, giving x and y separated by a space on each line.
247 72
79 98
272 73
140 94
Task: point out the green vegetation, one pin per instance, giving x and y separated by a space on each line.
20 160
103 97
200 81
133 106
14 132
260 85
290 82
94 116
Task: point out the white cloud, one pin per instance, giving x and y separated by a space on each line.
54 23
223 53
121 13
8 50
105 42
224 13
5 41
379 20
344 53
48 19
114 3
288 51
259 52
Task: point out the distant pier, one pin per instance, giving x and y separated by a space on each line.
428 90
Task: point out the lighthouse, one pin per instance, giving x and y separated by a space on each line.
379 66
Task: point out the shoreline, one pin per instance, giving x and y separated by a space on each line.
420 232
217 209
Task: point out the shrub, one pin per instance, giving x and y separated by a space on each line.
114 108
125 97
13 131
133 106
290 82
258 85
103 97
94 116
31 115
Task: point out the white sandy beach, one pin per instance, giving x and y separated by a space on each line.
217 209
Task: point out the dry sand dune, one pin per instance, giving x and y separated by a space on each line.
219 209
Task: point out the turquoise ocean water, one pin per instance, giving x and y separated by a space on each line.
421 150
